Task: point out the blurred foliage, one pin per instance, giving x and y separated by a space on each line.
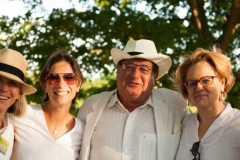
89 36
192 109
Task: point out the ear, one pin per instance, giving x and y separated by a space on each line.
78 88
155 76
223 82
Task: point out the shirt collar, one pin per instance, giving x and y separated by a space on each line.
114 99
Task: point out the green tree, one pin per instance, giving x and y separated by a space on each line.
89 35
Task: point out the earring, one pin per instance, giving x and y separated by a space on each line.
222 95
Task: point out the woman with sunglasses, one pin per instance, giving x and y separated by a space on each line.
49 131
12 96
205 78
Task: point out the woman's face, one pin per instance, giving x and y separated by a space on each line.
9 93
61 84
204 96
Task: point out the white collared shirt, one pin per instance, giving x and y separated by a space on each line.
34 142
221 141
121 135
7 133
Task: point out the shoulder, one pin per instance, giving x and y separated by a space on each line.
236 112
99 96
96 97
79 125
170 97
86 107
168 92
175 102
233 114
189 117
33 108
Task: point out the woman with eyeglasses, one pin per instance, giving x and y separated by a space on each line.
205 78
12 96
49 131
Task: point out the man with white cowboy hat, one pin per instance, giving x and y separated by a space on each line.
135 121
13 89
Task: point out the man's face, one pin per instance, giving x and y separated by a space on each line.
135 79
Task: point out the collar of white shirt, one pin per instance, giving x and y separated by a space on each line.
114 99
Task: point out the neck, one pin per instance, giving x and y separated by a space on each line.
58 120
132 105
210 114
55 114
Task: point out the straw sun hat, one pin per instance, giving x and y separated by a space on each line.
13 66
144 49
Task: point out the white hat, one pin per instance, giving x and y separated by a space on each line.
13 66
144 49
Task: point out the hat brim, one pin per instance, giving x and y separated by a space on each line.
26 88
163 62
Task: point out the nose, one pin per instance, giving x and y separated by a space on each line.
3 86
136 72
61 81
199 86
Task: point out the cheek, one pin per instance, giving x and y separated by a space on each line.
148 81
121 75
48 88
17 93
190 95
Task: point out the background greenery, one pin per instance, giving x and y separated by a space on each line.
89 36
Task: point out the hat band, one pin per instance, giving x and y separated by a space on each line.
13 70
134 53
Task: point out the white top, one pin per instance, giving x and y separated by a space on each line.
34 142
221 141
121 135
8 134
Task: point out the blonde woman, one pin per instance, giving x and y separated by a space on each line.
12 96
205 78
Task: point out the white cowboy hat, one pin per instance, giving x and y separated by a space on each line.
144 49
13 66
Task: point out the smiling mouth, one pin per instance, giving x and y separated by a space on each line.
61 93
3 98
134 83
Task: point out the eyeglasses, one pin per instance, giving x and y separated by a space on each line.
204 81
69 78
131 67
195 149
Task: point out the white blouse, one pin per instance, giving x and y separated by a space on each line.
33 140
8 134
221 141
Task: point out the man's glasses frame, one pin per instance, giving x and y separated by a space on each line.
195 149
53 78
204 81
129 66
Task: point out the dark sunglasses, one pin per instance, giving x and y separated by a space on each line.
69 78
195 149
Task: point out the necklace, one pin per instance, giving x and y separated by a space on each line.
55 131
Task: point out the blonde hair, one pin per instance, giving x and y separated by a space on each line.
18 108
214 56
